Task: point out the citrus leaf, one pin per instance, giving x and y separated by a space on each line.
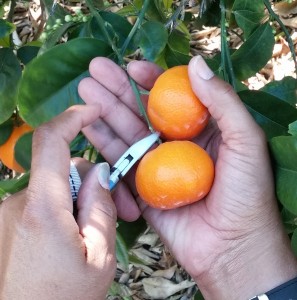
248 21
117 26
122 252
49 82
284 149
254 52
6 28
54 37
130 231
27 53
248 14
153 40
285 89
10 73
5 131
271 113
289 220
23 150
14 185
293 128
167 3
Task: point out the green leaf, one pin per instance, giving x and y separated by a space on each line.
167 4
293 128
289 220
5 42
248 14
130 231
80 30
10 74
122 252
178 49
6 28
54 37
285 89
23 150
284 149
117 26
211 17
198 296
5 131
294 242
54 11
27 53
154 38
14 185
254 53
271 113
49 82
247 21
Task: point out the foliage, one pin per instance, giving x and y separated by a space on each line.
39 79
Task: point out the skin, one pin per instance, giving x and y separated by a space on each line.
233 238
45 254
232 242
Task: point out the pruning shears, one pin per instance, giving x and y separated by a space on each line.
130 157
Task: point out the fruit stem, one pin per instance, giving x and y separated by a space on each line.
140 104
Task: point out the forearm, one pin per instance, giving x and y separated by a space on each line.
252 268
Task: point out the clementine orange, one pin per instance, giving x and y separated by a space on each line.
174 174
7 152
173 108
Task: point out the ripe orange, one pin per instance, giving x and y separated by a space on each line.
174 174
173 108
7 149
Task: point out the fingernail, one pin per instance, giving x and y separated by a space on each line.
130 64
202 69
103 175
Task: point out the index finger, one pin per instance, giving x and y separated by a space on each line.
49 183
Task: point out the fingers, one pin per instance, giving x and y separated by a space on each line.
127 209
144 73
49 183
114 79
113 110
97 215
221 100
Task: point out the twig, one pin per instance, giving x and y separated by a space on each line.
226 63
135 27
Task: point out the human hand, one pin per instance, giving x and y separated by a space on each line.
233 238
45 254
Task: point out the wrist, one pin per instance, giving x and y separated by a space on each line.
250 267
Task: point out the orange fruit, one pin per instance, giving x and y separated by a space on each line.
173 108
174 174
7 153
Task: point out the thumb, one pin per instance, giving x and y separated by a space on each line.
97 214
221 100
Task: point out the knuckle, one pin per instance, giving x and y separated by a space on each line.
43 132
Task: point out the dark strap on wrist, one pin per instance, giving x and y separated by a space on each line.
286 291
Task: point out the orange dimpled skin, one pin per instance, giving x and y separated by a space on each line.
173 108
174 174
7 149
